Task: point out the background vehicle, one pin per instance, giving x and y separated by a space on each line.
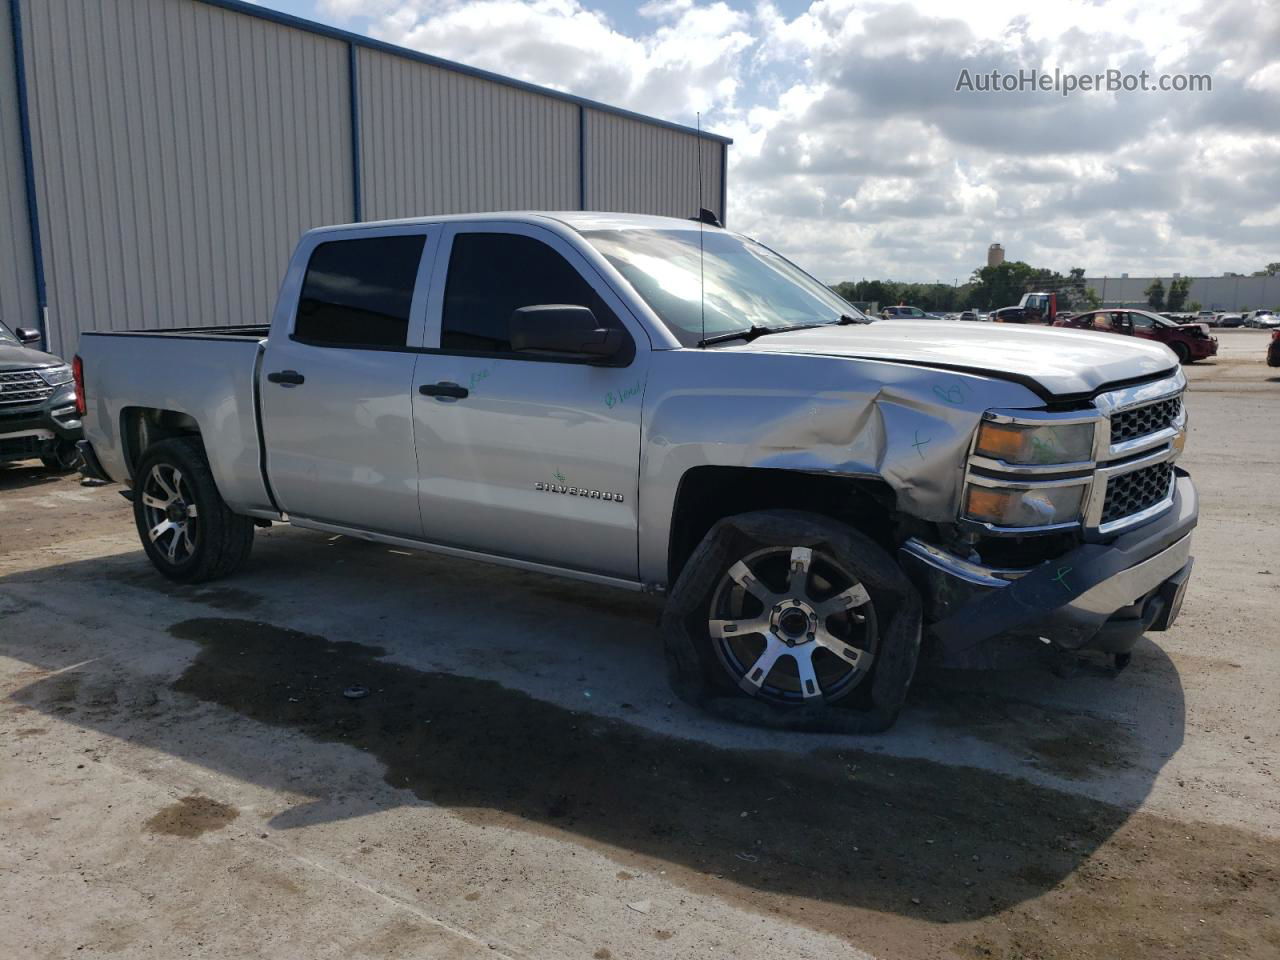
1273 350
1032 308
903 313
1262 320
969 315
812 490
1190 341
38 417
1229 320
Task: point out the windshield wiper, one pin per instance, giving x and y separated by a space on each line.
756 330
753 331
846 319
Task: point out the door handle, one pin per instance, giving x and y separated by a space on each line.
290 378
445 388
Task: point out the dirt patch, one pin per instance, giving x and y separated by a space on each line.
191 817
909 858
1074 746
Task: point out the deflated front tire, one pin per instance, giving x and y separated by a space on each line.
793 620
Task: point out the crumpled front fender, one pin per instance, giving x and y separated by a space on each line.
908 426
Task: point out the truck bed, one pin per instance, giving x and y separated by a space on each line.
242 332
209 374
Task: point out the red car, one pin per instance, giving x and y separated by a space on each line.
1273 351
1190 341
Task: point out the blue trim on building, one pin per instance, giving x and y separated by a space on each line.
582 157
310 26
29 169
353 87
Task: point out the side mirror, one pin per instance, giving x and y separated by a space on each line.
559 328
27 335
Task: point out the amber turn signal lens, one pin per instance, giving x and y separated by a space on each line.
985 504
1002 441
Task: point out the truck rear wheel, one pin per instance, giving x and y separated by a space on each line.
186 528
793 620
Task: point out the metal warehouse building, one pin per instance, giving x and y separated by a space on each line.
159 158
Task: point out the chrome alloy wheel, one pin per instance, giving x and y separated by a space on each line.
792 625
171 513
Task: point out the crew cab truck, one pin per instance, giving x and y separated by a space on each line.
655 404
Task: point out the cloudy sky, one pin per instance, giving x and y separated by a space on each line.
855 154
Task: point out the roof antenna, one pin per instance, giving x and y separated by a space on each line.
702 270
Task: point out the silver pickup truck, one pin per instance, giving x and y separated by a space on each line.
662 405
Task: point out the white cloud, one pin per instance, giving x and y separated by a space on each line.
854 153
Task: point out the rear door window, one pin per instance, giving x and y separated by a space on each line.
357 293
491 275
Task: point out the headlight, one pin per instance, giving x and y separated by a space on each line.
1037 507
56 376
1049 443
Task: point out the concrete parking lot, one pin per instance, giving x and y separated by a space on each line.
181 775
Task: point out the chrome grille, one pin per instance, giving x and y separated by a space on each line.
23 386
1131 424
1132 492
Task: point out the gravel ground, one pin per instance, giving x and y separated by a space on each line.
180 774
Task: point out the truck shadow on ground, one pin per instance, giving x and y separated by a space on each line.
20 476
831 826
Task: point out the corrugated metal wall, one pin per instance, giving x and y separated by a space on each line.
638 168
437 141
180 148
17 277
179 151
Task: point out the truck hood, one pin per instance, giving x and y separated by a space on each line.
1055 361
14 357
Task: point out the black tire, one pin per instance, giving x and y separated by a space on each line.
62 456
703 671
1182 353
207 543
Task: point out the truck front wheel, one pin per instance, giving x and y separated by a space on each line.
186 528
780 617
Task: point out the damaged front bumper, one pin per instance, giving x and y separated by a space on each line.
1099 596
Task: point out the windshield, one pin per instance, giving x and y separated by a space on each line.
1151 318
746 284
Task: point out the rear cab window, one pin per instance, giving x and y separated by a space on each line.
358 292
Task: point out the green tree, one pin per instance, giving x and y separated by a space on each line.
1002 285
1155 294
1195 306
1270 270
1179 287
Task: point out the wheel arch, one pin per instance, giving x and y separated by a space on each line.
706 494
141 427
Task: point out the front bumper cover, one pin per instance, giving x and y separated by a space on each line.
1100 596
50 420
